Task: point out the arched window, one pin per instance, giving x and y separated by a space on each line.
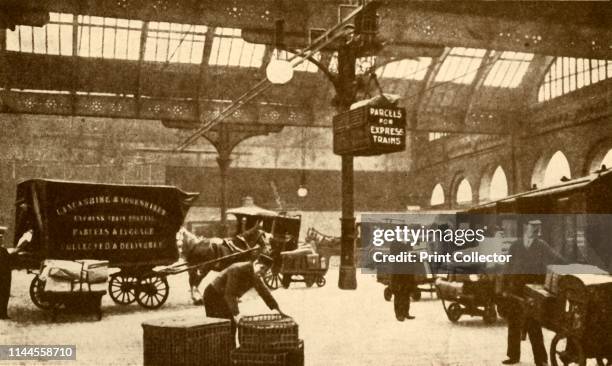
464 192
557 168
607 160
599 156
437 195
499 184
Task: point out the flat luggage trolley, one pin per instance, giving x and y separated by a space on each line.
464 294
297 262
132 228
302 266
582 319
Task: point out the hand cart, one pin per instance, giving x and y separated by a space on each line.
78 295
472 295
307 268
585 320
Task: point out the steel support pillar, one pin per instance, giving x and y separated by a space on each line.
345 89
224 162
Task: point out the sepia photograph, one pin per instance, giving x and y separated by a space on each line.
305 183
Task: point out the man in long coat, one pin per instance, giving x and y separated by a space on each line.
402 283
528 262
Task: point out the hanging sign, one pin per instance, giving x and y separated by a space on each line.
370 130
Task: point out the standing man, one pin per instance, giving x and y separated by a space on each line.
222 295
528 262
402 283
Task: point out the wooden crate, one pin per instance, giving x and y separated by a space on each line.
543 306
187 341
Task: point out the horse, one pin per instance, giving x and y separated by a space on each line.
196 250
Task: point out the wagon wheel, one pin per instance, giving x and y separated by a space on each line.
559 354
122 289
454 312
321 281
36 289
152 291
309 280
286 280
490 314
272 279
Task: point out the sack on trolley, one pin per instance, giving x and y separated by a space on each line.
78 275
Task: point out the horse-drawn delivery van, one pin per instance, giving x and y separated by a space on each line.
129 227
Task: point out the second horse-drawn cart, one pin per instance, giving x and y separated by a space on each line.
291 263
131 228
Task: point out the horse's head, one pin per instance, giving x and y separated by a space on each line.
185 240
265 242
256 237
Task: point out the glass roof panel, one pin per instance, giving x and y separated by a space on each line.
413 69
461 65
175 42
509 70
108 37
54 38
567 74
229 49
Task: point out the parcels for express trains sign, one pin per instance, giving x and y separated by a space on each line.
370 130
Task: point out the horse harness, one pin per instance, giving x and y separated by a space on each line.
233 247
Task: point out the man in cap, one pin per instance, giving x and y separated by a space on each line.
528 262
221 297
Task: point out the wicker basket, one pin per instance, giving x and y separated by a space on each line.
248 357
268 332
187 341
